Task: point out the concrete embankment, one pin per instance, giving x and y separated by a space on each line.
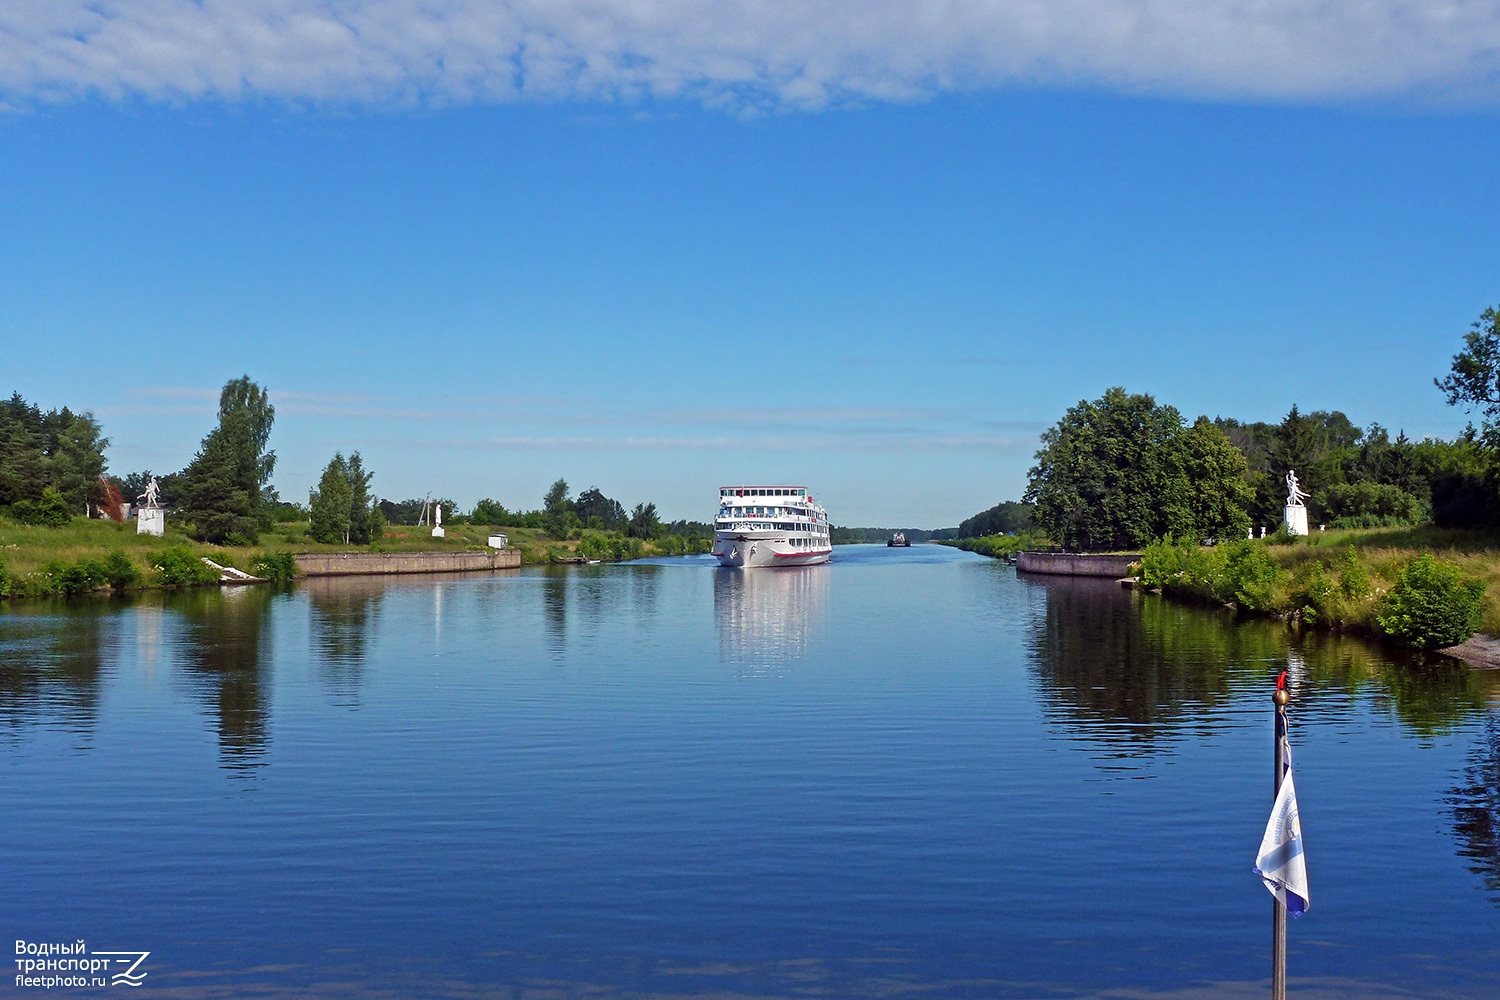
1076 564
392 563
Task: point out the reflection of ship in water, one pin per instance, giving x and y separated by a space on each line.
766 619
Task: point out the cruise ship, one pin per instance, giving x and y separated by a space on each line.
770 526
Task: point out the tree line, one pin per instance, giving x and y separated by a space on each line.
1121 471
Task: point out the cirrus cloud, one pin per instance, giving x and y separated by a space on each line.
743 55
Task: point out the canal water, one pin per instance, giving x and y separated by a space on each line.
907 773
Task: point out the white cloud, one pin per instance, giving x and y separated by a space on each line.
744 55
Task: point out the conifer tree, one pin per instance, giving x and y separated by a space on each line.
225 489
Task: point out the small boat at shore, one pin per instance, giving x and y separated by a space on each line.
898 541
770 526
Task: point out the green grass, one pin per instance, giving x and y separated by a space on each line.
28 552
1384 550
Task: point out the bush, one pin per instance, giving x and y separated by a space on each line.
1250 577
75 578
179 566
274 565
1354 576
1372 505
1317 592
119 571
1431 605
50 511
610 546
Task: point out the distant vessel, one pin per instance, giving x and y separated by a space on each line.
770 526
898 541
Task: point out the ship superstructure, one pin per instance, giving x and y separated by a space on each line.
770 526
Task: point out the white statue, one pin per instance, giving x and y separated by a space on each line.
437 515
152 492
1294 494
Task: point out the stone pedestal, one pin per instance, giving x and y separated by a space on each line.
150 520
438 532
1295 519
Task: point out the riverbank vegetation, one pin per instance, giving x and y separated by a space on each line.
1426 590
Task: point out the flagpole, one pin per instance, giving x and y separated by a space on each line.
1278 908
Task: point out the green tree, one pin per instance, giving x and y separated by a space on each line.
1474 380
1121 471
644 521
592 504
75 458
557 513
360 525
332 504
491 512
59 449
1003 518
223 492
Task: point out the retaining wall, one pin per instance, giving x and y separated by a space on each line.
1076 563
391 563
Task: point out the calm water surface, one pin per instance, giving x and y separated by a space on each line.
908 773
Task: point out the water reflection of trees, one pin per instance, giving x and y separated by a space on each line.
1476 808
51 664
223 646
1130 669
1135 668
766 617
342 615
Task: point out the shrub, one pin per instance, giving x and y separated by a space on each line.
76 578
178 566
274 565
1372 505
1431 605
1317 592
1354 576
119 571
1250 577
5 580
51 510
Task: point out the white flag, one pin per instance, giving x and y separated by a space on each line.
1280 863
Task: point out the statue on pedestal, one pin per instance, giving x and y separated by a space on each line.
1294 514
150 518
1294 494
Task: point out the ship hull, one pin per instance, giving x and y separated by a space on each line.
748 550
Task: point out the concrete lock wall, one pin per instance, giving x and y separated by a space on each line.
1076 564
390 563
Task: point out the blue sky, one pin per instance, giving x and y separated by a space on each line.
654 274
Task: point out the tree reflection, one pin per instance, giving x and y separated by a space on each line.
1128 669
342 613
1476 809
224 644
1134 669
51 664
1432 695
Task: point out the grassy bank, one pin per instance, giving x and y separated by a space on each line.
1424 588
95 555
1000 546
1333 579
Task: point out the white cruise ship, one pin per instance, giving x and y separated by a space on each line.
770 526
